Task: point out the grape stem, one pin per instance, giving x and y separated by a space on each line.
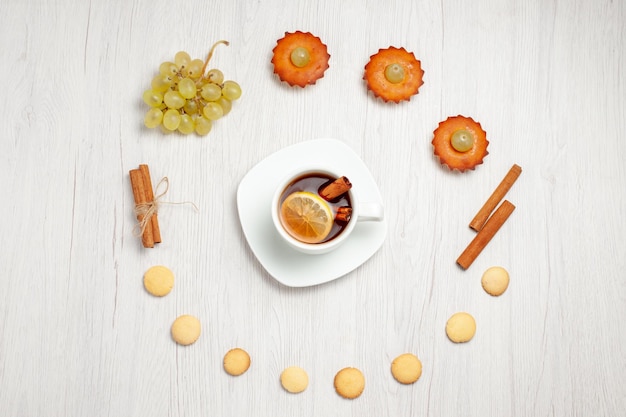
206 63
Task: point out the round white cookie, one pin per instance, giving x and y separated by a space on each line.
461 327
236 361
294 379
349 383
158 280
406 368
495 280
185 330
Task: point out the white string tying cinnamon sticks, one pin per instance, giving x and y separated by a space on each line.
145 211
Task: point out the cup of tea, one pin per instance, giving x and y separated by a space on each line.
315 210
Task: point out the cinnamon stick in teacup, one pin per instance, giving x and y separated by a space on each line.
335 189
343 214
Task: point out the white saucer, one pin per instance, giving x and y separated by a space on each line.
286 265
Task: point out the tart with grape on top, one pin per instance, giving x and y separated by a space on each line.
393 74
300 58
460 143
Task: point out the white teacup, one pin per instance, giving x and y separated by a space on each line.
361 211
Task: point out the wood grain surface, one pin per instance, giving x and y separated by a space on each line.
79 335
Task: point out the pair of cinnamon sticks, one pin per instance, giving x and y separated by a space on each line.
145 206
487 224
335 190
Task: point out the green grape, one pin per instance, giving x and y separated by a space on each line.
191 107
187 125
226 105
174 100
462 140
394 73
213 111
211 92
194 70
231 90
161 83
187 88
153 118
168 68
182 60
171 119
203 126
152 98
215 76
300 57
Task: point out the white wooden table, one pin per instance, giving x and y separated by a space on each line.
79 335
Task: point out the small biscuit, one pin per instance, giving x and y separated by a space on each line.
349 383
158 280
461 327
185 330
495 280
406 368
236 361
294 379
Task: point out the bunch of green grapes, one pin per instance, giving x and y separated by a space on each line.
184 97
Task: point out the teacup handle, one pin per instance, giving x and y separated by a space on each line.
370 212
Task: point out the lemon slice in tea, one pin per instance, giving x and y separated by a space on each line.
306 216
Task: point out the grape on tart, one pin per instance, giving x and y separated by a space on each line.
460 143
393 74
300 58
187 98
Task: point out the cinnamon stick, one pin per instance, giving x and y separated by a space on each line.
335 189
154 220
498 194
484 236
343 214
139 194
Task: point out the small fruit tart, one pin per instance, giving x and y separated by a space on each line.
393 74
300 58
460 143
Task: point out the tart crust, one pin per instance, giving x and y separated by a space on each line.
300 76
451 157
383 88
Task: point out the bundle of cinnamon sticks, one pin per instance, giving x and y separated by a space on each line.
487 224
145 206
